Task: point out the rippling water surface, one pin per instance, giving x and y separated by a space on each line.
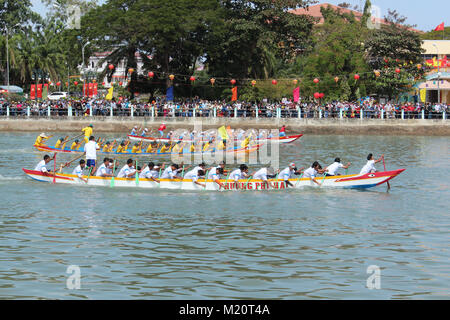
144 244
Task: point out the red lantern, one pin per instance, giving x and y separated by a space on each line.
317 95
274 82
356 77
151 74
321 95
212 80
58 83
171 77
192 78
111 66
120 83
336 79
386 60
75 83
316 81
67 84
103 83
94 81
419 66
295 81
397 70
131 70
253 83
377 73
233 82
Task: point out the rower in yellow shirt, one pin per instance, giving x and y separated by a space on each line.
59 142
88 132
136 148
206 146
75 145
40 140
121 148
164 148
246 142
177 147
222 145
107 147
192 148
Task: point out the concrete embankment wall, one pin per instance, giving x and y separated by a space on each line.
437 127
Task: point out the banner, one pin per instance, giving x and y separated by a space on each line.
33 92
169 94
85 89
296 94
234 94
109 96
423 95
95 92
45 92
39 91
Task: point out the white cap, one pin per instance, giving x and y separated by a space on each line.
145 129
292 165
43 135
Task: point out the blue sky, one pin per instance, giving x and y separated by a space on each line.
427 15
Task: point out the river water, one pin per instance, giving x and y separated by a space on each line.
307 244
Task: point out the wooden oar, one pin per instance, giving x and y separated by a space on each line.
112 178
70 162
75 137
384 164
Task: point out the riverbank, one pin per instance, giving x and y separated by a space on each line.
420 127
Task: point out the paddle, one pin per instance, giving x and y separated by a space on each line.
384 164
54 168
112 179
324 176
246 183
159 176
298 180
89 175
69 163
74 138
137 174
206 179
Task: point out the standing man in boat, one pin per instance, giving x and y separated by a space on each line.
90 149
88 132
332 169
128 170
41 139
78 171
283 131
161 129
42 165
312 172
370 165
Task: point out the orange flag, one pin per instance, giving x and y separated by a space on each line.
234 96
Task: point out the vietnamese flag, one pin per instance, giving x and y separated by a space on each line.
440 27
39 91
33 92
234 96
95 92
91 89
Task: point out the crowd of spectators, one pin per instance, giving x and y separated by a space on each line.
203 108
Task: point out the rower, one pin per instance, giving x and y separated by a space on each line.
121 147
41 166
165 148
263 174
59 142
75 145
144 132
136 148
207 145
287 173
215 172
133 131
102 171
370 165
239 174
40 140
78 171
107 146
177 148
150 173
161 129
90 149
222 145
88 132
246 142
192 148
171 172
128 170
332 169
282 131
312 172
195 173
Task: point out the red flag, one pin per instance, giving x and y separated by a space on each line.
85 89
440 27
39 91
296 94
33 92
95 89
234 96
91 90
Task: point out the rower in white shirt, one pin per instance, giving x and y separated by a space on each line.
150 172
312 172
127 170
171 172
215 172
41 166
78 171
263 174
103 170
332 169
195 173
288 173
370 165
239 174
